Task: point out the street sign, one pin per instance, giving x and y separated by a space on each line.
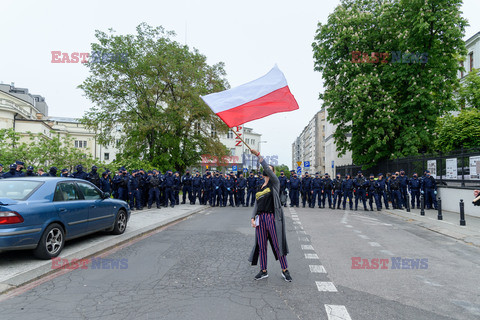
234 168
299 163
299 170
306 164
333 164
245 169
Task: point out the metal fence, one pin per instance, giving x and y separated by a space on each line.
460 168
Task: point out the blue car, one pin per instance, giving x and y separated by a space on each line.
41 213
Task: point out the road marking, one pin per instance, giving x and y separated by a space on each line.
297 222
311 256
317 269
326 286
374 244
363 217
348 226
426 281
387 252
357 231
345 217
363 236
307 247
336 312
304 239
295 219
298 227
301 232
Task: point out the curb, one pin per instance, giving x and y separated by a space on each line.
45 269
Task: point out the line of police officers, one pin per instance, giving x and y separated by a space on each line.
140 188
392 188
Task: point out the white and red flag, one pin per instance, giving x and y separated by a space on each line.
253 100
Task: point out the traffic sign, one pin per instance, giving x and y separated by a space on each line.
234 168
306 164
245 169
333 164
299 170
299 163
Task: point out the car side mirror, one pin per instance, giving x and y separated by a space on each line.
106 195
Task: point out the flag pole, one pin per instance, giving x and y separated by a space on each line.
241 139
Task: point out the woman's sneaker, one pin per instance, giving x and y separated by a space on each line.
262 274
286 276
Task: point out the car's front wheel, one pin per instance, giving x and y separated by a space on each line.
120 222
51 243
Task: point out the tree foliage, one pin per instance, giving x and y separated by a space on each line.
390 107
469 91
38 151
154 95
458 131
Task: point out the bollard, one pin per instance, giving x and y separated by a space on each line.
407 199
422 205
462 213
439 202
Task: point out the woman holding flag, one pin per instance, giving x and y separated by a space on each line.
269 223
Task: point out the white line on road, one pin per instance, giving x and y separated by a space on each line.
387 252
348 226
357 231
326 286
297 222
363 217
304 239
301 232
336 312
363 236
317 269
298 227
311 256
307 247
295 219
374 244
345 217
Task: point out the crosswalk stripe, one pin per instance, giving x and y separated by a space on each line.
326 286
311 256
307 247
336 312
374 244
317 269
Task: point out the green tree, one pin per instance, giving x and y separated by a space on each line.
153 93
460 131
389 107
469 90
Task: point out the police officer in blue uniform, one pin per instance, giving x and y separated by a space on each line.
347 191
208 188
93 176
293 189
229 187
317 190
430 189
177 186
30 172
134 191
105 184
394 188
305 189
52 172
64 173
169 184
12 173
251 188
337 190
197 182
370 190
217 186
80 174
414 186
241 184
121 183
379 192
403 180
327 190
20 166
187 186
359 184
283 188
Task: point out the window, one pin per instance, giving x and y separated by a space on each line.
471 61
80 144
213 132
253 141
197 128
66 191
229 135
106 156
117 143
18 190
89 191
247 141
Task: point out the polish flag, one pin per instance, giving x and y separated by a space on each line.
253 100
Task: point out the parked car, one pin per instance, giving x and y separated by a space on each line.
41 213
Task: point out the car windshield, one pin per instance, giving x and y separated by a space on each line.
16 189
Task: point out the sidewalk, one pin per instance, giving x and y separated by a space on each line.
20 267
449 226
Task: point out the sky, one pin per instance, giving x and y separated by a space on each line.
249 36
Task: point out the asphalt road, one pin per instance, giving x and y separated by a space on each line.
198 269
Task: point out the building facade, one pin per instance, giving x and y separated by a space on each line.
472 60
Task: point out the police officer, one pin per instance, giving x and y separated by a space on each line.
12 173
169 185
120 182
305 189
229 187
64 173
240 186
207 189
153 184
217 186
347 191
317 190
327 190
414 186
370 191
251 188
403 180
52 172
20 166
187 186
394 188
177 180
359 184
30 172
380 192
93 176
80 174
429 186
105 184
337 190
134 191
197 182
283 188
293 188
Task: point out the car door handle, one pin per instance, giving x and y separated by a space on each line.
63 210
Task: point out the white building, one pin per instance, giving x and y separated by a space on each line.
472 60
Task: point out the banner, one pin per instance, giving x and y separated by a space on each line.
432 166
475 167
451 168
